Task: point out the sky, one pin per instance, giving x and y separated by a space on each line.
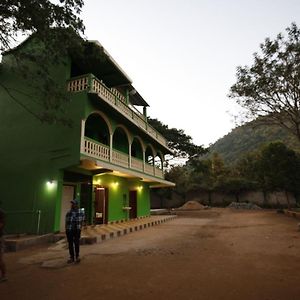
182 55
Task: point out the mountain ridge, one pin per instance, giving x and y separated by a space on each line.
248 138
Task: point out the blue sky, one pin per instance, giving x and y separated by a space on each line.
182 54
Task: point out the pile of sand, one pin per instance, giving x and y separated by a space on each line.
243 205
191 205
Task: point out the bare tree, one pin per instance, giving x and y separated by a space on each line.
270 88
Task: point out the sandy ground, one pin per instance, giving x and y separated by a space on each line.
209 254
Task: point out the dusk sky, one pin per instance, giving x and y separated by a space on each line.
182 54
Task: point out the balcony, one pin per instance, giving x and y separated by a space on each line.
91 84
102 152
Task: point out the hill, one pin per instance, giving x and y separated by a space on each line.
249 137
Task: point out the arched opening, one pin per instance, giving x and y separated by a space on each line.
120 140
158 161
149 156
136 149
96 128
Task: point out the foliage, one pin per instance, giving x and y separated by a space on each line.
270 89
27 17
180 143
180 176
273 167
55 32
234 185
279 168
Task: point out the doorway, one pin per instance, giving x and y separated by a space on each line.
67 196
133 204
101 205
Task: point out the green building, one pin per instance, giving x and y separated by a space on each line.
109 158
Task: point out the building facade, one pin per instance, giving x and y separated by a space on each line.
108 159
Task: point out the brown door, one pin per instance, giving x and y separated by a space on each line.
133 204
101 205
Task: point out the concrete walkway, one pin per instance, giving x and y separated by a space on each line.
100 233
90 234
55 256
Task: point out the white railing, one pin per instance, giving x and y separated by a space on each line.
115 99
96 150
103 91
120 158
158 172
137 164
118 94
102 152
149 169
78 84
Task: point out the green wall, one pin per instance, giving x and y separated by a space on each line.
34 153
118 196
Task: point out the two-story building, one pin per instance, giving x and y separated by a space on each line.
109 158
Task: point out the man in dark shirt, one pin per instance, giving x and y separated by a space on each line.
2 264
74 221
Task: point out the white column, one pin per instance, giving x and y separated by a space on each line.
129 153
82 137
111 148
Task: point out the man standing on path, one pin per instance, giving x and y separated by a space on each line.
2 264
74 220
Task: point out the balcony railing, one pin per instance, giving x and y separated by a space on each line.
90 83
102 152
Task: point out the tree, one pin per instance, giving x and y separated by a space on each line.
279 168
178 141
29 16
270 88
55 29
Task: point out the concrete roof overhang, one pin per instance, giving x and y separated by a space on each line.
97 167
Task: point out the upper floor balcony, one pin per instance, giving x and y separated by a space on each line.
105 153
115 99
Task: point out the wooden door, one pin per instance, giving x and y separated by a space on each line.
133 204
101 205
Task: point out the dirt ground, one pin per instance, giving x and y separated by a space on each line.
208 254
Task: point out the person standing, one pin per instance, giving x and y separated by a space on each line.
2 264
74 221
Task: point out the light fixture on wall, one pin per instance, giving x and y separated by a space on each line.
139 188
50 184
115 184
98 181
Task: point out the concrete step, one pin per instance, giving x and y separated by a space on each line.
90 235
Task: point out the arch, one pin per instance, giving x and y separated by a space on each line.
149 154
137 148
97 128
158 160
125 130
121 140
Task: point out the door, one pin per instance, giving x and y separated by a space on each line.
133 204
67 196
101 205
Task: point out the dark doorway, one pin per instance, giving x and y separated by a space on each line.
133 204
101 205
86 200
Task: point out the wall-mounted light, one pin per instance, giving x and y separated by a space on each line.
97 181
139 188
115 184
50 184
